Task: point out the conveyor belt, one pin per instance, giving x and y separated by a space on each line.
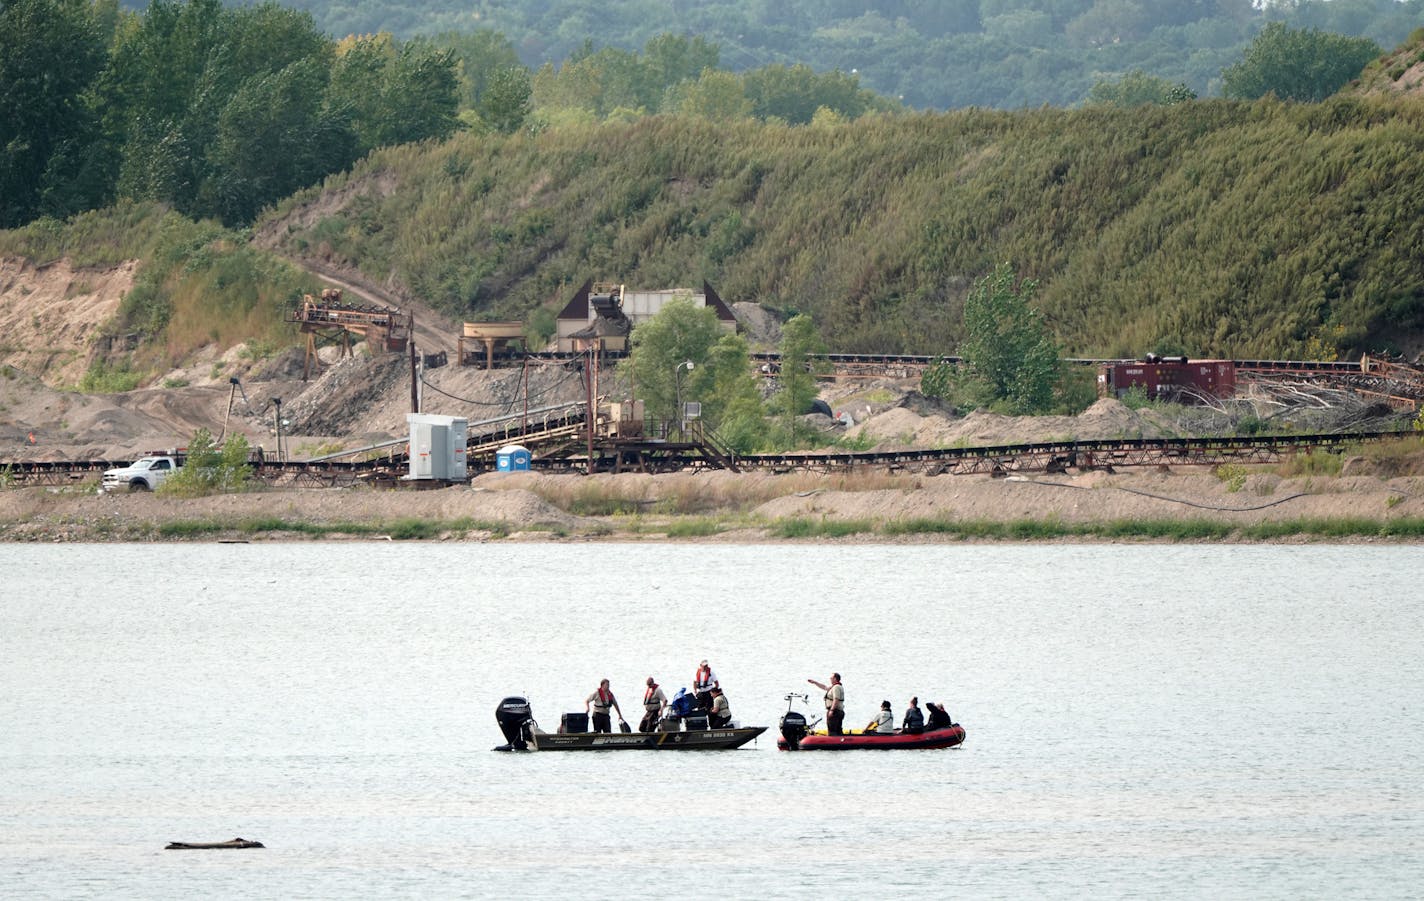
1055 456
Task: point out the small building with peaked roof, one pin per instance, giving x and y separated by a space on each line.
608 312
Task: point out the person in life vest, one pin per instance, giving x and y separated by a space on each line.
721 713
703 681
601 701
654 703
914 722
884 722
835 703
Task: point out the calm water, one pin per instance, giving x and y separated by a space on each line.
1143 721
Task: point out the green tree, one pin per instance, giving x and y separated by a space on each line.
799 340
794 93
716 95
506 103
51 51
395 94
540 327
734 400
220 111
235 472
612 83
209 469
172 76
596 82
479 55
680 333
154 73
940 379
1108 22
1137 88
1179 93
274 136
671 59
1006 343
1297 64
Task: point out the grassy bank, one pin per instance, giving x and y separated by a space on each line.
406 529
735 527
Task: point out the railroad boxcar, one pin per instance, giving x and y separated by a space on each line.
1168 378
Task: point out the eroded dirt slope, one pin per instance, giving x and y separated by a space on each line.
52 314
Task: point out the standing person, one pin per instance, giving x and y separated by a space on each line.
914 722
654 703
721 713
835 703
703 681
601 701
884 720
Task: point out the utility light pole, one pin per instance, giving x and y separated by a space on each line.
677 391
277 402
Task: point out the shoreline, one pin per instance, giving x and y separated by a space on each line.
717 507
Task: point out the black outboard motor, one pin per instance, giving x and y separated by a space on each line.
793 729
516 721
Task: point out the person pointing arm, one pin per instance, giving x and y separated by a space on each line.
835 703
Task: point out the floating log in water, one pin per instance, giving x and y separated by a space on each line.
235 843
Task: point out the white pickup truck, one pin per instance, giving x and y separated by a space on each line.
144 474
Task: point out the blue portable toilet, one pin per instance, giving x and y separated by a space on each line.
512 458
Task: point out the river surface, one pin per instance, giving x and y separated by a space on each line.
1143 721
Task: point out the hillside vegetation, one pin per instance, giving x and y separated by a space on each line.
938 54
1262 228
198 285
1400 71
1208 228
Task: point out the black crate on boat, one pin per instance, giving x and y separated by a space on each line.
696 723
574 722
670 724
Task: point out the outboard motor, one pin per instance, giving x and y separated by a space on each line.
516 721
793 729
793 723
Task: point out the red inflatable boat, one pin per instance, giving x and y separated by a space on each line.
947 737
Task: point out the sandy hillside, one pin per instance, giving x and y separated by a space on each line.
53 313
58 313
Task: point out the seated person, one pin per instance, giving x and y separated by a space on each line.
721 713
939 718
884 720
914 722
